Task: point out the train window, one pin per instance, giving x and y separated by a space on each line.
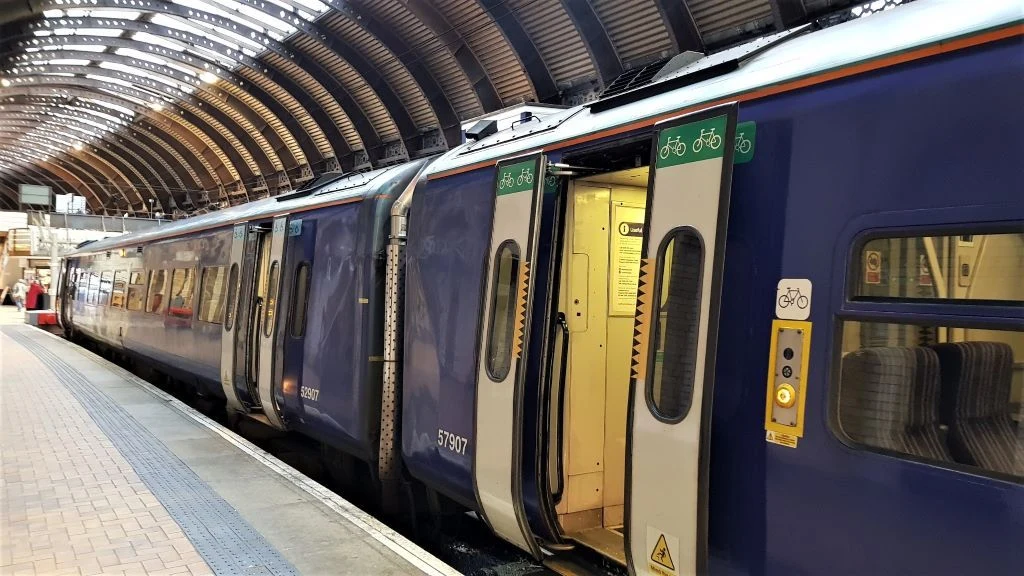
229 320
300 297
94 289
963 267
272 289
676 324
944 393
84 277
211 295
503 308
117 295
106 281
182 289
157 286
136 290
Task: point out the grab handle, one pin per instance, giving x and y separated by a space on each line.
560 322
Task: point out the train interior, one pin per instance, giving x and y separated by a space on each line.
956 393
601 249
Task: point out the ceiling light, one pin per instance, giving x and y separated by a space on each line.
207 77
156 106
77 146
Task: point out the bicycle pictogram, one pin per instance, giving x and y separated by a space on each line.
507 181
792 296
675 145
743 143
707 138
525 177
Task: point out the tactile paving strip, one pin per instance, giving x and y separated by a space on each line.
227 543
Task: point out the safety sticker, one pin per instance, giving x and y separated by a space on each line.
872 267
793 299
781 438
661 561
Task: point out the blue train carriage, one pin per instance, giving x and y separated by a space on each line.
272 308
737 320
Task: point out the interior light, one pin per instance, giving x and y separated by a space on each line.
5 82
156 106
207 77
77 146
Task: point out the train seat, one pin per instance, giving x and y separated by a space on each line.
976 380
890 399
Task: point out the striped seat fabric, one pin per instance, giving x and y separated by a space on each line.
889 398
976 381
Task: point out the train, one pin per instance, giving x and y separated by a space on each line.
762 314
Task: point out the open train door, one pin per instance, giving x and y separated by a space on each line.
675 334
518 186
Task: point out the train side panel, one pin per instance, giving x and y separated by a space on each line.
449 231
910 149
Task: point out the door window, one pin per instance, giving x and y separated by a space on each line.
229 320
272 289
677 321
503 309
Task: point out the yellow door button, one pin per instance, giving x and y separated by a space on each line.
785 396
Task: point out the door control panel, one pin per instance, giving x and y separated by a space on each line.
787 379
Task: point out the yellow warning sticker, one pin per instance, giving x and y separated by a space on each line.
661 555
781 438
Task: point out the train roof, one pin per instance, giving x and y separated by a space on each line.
346 188
766 63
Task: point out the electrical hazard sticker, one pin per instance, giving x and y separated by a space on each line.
664 550
781 438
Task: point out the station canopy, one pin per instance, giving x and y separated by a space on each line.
185 106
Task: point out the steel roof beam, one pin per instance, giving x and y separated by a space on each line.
681 25
599 44
451 37
38 177
89 88
413 62
58 175
540 76
188 60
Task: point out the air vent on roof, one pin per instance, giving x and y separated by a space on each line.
684 70
635 78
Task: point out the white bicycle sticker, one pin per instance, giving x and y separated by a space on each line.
793 299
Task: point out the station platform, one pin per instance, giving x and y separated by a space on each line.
102 473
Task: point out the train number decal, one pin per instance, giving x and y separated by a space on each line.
309 393
453 442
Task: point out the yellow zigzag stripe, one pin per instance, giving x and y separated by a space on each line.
524 282
642 322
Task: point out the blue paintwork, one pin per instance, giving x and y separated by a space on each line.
887 150
449 231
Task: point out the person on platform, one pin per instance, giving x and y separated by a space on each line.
32 299
18 294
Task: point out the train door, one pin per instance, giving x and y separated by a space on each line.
67 294
232 322
263 329
629 451
674 343
497 457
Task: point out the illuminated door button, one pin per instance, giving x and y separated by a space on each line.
785 396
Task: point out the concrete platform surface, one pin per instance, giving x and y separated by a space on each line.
102 473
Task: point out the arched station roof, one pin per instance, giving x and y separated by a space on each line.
189 105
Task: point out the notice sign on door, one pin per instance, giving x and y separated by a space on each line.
627 244
872 267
